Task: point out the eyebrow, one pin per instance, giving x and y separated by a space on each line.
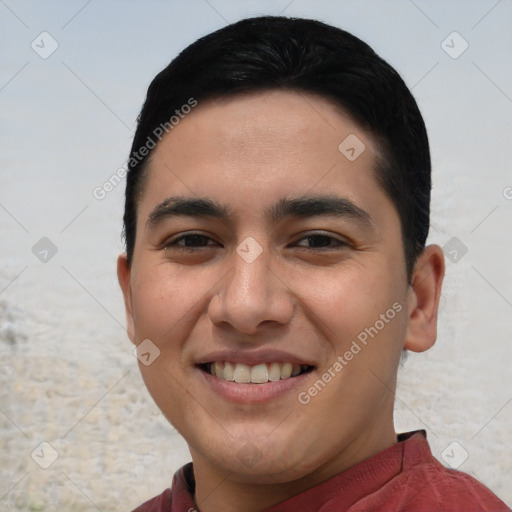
301 207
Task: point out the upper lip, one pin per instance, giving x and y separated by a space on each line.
253 357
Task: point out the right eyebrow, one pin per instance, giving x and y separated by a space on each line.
186 206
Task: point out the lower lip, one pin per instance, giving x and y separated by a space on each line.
254 393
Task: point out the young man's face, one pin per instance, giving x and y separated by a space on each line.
263 282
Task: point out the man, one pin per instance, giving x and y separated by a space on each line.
277 207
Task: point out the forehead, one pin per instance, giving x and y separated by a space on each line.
254 149
264 124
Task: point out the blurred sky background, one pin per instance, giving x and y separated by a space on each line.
67 373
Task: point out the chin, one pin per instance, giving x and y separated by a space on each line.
265 471
254 459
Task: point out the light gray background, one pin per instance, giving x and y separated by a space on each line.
67 373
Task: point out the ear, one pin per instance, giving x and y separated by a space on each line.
124 278
423 299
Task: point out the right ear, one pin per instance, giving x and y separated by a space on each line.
124 278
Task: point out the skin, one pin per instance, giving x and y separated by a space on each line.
247 153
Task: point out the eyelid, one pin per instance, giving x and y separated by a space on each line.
338 238
172 241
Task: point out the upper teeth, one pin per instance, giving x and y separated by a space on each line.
257 374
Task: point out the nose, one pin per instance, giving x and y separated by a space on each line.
251 296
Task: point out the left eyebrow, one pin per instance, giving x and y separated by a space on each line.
313 206
301 207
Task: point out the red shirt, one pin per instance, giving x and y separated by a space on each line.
404 477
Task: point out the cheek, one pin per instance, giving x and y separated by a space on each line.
348 301
162 299
165 304
362 315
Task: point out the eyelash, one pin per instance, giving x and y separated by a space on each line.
173 244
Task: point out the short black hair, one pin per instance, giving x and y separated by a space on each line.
303 55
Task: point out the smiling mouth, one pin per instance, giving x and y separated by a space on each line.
256 374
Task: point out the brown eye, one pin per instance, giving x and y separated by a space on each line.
321 241
191 241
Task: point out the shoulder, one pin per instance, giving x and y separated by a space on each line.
452 489
425 483
160 503
176 498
